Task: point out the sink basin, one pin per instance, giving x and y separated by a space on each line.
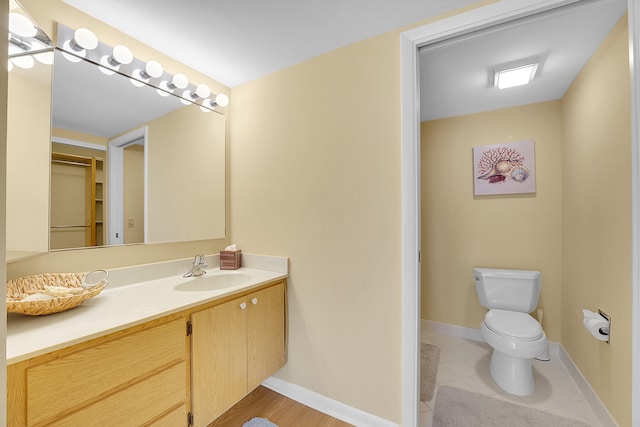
213 282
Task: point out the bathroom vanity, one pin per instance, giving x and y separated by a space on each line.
165 352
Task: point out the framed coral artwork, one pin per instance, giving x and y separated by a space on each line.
507 168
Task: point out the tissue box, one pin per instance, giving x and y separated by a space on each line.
230 260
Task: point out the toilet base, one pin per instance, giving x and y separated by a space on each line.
513 375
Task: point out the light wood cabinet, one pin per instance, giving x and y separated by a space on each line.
236 345
149 375
132 378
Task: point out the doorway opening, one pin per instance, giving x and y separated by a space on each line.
411 41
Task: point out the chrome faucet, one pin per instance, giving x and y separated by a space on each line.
197 269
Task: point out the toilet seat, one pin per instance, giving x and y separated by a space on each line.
513 325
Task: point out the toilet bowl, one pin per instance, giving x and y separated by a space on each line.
516 339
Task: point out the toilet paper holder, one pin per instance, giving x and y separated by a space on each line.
606 331
598 324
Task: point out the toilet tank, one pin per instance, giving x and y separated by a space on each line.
514 290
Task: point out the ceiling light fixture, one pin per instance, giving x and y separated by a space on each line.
515 75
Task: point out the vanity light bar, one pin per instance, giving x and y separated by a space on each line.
26 42
77 45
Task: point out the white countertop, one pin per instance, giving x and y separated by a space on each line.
117 308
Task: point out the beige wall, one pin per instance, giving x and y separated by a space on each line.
461 231
315 175
596 227
186 152
29 130
46 14
134 194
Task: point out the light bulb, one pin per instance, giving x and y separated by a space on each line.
135 80
121 55
162 92
222 100
209 104
202 91
153 69
25 62
180 81
111 63
188 95
9 65
105 67
84 38
45 58
69 57
21 25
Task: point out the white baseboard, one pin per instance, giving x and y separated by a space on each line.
326 405
594 401
555 349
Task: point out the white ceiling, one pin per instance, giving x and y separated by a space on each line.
235 41
456 77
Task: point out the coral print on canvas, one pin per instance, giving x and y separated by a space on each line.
504 168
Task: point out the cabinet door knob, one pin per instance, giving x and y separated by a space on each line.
243 305
254 301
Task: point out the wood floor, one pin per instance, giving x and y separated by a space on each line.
280 410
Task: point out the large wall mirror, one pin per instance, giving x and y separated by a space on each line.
125 163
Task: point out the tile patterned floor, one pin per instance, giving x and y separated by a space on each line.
465 364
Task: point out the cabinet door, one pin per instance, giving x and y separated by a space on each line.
219 359
265 334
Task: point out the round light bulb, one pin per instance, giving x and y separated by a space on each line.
45 58
21 25
153 69
135 82
106 67
203 91
180 81
188 95
85 39
121 55
222 100
66 46
203 108
209 104
161 92
25 62
9 65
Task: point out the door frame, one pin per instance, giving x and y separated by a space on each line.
410 42
115 189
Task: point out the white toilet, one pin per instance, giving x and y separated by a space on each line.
515 336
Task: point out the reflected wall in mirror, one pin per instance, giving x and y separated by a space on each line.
158 164
28 136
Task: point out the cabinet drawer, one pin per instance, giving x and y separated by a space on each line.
136 405
175 418
63 385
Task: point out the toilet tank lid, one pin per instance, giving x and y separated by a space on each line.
507 274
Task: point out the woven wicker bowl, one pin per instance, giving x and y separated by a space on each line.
21 287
